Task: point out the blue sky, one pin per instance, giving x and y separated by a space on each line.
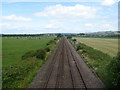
59 17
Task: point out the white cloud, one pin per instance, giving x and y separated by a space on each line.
5 24
53 24
16 18
88 24
108 2
100 26
77 11
51 0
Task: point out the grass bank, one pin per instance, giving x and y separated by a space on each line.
105 66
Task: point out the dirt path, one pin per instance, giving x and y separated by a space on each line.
65 69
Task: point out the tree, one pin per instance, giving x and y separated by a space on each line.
59 35
69 37
74 40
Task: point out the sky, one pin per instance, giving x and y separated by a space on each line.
35 17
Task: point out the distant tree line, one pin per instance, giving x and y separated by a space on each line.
24 35
20 35
109 34
88 35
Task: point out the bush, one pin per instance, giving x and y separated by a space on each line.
47 49
79 47
114 71
47 44
28 54
55 39
59 35
40 54
81 51
69 37
50 42
74 40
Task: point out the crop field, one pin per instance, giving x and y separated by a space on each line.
16 71
106 45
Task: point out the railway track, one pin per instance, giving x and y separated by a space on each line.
65 69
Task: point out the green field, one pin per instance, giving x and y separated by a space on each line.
13 48
18 72
106 45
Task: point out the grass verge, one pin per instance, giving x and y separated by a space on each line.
105 66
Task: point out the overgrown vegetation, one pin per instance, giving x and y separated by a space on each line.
69 37
59 35
21 73
47 49
40 54
74 40
28 55
114 71
105 66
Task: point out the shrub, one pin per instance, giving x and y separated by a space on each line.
51 41
59 35
28 54
81 51
40 54
47 49
47 44
55 39
79 47
74 40
114 71
69 37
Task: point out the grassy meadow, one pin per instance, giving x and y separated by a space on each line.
13 48
106 45
19 72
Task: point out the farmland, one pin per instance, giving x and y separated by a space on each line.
18 72
13 47
106 45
